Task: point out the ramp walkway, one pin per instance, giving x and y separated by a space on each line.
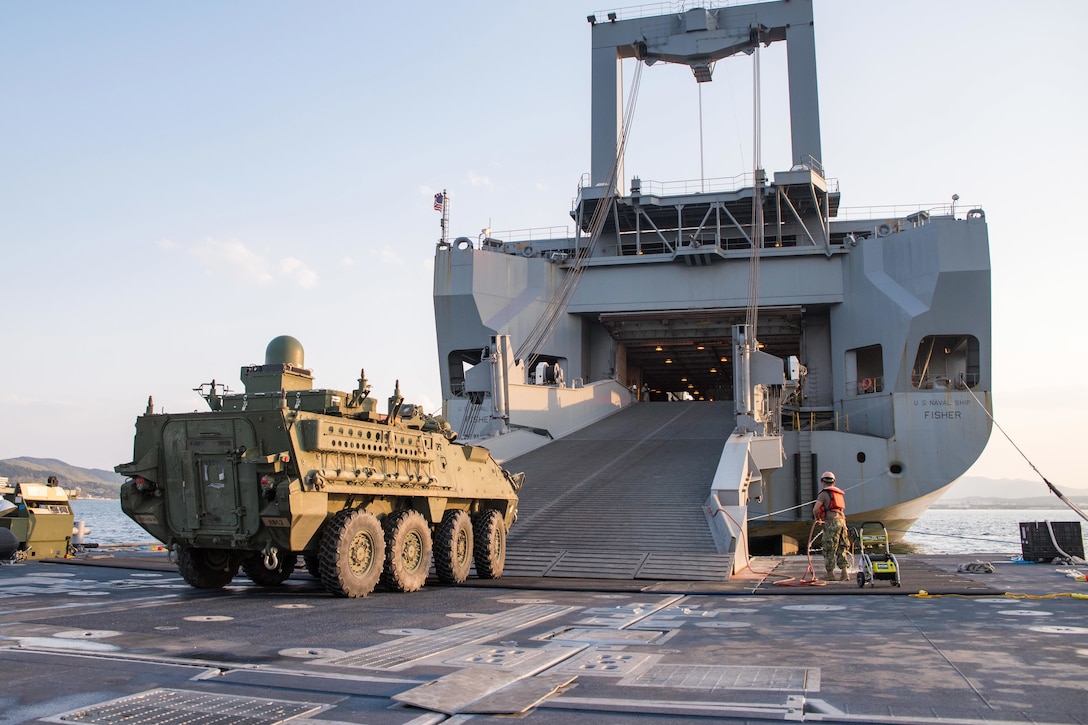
624 498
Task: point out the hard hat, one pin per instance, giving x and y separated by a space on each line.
827 476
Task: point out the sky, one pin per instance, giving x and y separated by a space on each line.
182 182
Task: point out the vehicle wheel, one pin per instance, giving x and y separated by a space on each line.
258 573
313 565
207 568
352 552
407 551
453 547
489 531
861 579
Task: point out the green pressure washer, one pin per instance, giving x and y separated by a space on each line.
876 560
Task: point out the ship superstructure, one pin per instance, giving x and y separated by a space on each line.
886 319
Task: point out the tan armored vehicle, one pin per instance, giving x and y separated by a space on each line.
284 470
39 518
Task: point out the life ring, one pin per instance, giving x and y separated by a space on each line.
527 250
867 385
884 230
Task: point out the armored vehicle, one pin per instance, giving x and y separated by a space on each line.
35 520
284 470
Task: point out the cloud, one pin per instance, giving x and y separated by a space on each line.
166 244
298 272
475 179
233 259
390 258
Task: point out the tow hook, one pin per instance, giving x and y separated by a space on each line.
271 558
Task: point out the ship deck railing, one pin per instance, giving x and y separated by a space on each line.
810 419
899 211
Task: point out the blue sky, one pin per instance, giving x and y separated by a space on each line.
181 182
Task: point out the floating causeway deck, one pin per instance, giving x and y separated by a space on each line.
118 635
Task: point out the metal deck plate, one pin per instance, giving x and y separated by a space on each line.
399 653
479 690
602 635
605 663
724 677
190 707
523 660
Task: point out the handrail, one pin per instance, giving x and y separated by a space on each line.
898 211
695 186
662 8
533 234
812 420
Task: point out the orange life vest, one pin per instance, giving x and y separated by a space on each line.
837 499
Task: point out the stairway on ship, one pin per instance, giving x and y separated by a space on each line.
624 498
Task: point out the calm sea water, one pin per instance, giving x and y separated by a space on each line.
939 531
107 523
966 531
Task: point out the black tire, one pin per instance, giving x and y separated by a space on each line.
453 547
407 551
313 565
352 553
489 550
207 568
259 574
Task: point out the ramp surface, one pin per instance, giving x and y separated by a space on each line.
624 498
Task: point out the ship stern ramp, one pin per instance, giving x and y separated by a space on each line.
625 498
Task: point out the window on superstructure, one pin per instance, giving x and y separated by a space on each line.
461 361
865 370
946 361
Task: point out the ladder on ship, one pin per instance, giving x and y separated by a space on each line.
471 419
804 471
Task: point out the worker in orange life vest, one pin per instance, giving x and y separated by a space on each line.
830 509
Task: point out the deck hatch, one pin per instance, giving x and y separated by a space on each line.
191 707
725 677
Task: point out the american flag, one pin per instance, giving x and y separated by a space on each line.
438 202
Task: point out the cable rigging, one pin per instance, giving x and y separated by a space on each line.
559 301
1053 489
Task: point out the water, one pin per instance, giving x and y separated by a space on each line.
938 531
967 531
107 523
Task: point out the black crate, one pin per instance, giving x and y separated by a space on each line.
1036 545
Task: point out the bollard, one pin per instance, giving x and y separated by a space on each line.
78 532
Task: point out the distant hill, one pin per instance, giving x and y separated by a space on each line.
1034 502
975 487
92 482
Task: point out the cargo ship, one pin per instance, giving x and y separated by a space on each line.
886 318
